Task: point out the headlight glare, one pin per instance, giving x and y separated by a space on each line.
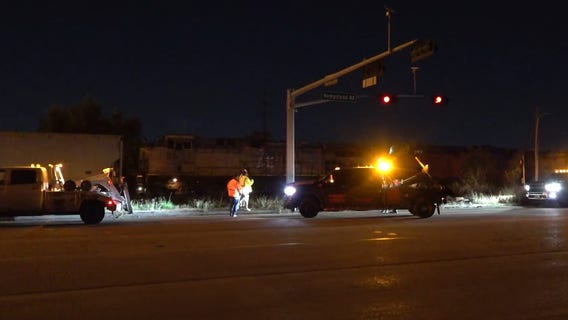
553 187
289 191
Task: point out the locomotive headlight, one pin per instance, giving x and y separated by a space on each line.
289 191
553 187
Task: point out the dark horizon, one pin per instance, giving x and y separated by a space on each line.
216 69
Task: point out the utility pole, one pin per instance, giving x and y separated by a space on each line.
388 13
536 124
538 115
524 174
264 119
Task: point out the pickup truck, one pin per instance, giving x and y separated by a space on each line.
552 190
363 188
29 191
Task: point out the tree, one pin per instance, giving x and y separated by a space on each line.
87 117
481 172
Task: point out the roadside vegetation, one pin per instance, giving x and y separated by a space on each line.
482 183
276 204
164 203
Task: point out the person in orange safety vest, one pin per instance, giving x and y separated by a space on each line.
234 193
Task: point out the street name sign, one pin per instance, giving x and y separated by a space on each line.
338 96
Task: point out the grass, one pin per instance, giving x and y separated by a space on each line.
276 204
157 204
477 199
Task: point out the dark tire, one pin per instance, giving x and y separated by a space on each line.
562 201
69 185
92 212
423 208
562 204
309 207
526 202
86 185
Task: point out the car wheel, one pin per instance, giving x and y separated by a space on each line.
92 213
86 185
69 185
309 207
423 208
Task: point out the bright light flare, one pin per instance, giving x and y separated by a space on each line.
289 191
384 165
553 187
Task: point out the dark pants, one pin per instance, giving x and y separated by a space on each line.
234 206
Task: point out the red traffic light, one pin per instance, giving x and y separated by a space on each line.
387 98
439 99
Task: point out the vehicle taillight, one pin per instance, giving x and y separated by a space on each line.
111 205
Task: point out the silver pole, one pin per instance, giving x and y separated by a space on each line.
290 137
536 125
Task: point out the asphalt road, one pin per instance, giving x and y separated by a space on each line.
469 263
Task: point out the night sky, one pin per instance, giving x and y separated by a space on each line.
221 68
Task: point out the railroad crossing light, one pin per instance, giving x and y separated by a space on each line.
439 99
387 98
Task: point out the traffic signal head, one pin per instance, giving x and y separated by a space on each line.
387 98
422 50
439 99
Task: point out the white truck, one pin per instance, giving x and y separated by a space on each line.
32 191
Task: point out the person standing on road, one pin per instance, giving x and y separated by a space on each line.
234 193
246 186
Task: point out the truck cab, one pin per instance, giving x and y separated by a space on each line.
22 188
